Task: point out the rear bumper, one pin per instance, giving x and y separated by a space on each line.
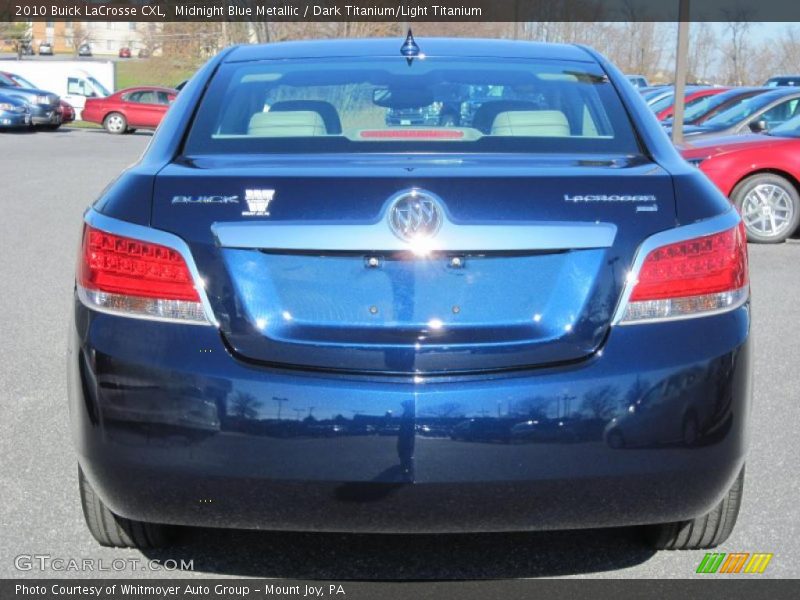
170 428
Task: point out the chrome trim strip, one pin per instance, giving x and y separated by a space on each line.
716 224
378 237
155 236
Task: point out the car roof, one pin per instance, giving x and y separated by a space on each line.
650 93
780 92
466 47
706 90
745 90
146 88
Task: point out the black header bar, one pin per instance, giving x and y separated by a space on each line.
397 10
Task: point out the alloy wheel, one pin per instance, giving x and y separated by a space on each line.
767 210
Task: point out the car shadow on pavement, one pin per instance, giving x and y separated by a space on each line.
342 556
138 132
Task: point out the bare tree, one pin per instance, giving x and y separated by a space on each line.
601 402
78 35
533 408
787 50
16 35
761 62
633 45
190 42
245 405
703 45
637 391
735 50
150 37
445 410
367 29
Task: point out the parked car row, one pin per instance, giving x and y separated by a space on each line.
84 50
73 80
46 49
24 105
747 141
126 52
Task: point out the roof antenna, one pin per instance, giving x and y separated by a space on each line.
409 49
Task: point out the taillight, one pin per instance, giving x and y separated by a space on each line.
137 278
692 277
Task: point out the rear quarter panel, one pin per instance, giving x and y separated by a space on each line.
93 112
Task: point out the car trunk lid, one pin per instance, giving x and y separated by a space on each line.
303 267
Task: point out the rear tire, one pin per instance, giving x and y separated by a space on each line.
707 531
770 207
115 123
115 531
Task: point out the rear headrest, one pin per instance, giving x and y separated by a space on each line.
333 125
299 123
541 123
488 111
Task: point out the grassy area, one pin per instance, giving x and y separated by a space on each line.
153 71
83 125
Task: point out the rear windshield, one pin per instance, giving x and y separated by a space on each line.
432 104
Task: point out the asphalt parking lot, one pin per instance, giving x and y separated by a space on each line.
46 181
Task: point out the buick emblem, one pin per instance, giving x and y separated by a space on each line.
415 215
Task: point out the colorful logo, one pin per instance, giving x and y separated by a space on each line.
735 562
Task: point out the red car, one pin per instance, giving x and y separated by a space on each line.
130 109
67 112
760 174
125 52
692 96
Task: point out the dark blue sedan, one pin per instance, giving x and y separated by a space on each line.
14 113
296 314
